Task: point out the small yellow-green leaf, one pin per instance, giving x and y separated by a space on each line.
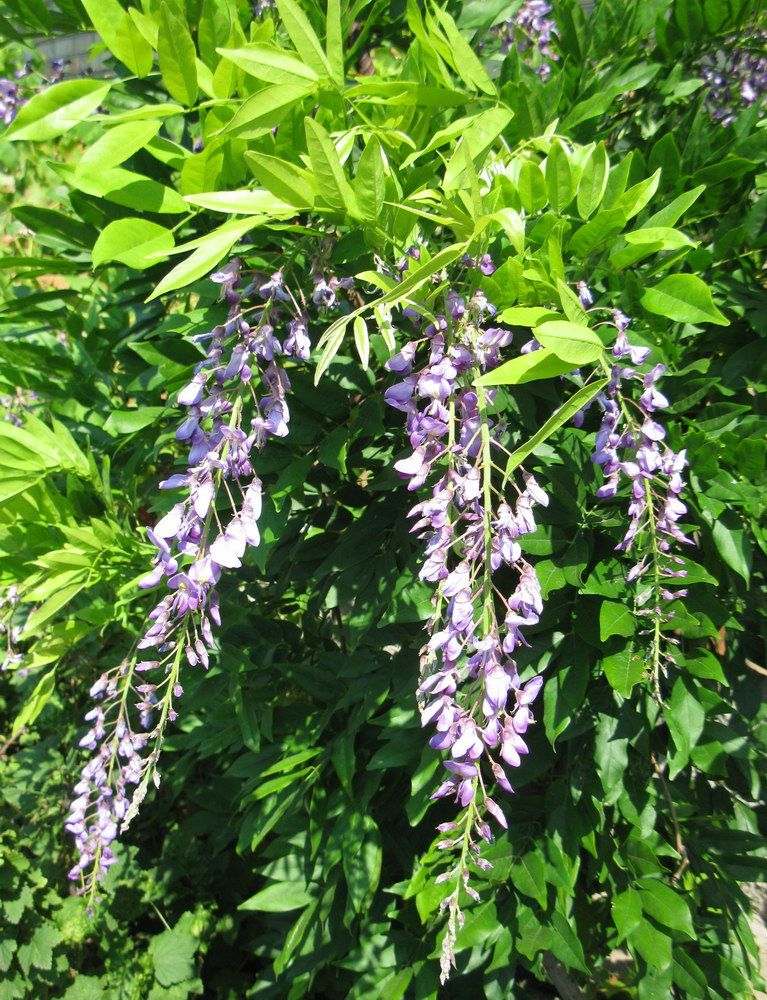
130 241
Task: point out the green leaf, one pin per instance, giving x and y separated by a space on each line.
528 874
615 619
530 367
652 945
177 55
267 62
243 202
569 341
733 544
362 340
205 258
117 145
56 110
527 316
626 913
303 36
126 188
286 181
468 65
531 186
279 897
294 937
129 241
120 34
565 943
36 702
667 906
334 42
559 180
593 182
54 604
555 421
370 181
671 214
685 717
267 108
623 670
362 859
632 202
173 956
596 233
611 756
684 298
130 421
328 171
670 239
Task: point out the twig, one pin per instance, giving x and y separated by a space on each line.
681 849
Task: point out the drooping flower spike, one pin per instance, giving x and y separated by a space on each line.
235 402
470 691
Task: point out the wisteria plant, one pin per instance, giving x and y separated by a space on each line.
383 469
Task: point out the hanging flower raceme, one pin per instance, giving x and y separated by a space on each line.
235 401
470 693
631 450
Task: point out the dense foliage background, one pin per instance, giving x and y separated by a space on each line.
289 850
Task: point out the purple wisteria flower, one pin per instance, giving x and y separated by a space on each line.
235 401
531 28
735 76
470 692
631 450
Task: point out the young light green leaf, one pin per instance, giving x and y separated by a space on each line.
177 55
469 66
243 202
674 211
117 145
670 239
565 412
267 108
531 186
632 202
205 258
569 341
124 187
36 702
595 234
334 42
55 603
303 36
120 34
559 181
329 174
591 187
684 298
362 340
370 182
129 241
527 315
527 368
286 181
267 62
56 110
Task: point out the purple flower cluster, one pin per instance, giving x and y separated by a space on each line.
10 100
470 690
16 405
630 447
736 76
531 28
235 402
